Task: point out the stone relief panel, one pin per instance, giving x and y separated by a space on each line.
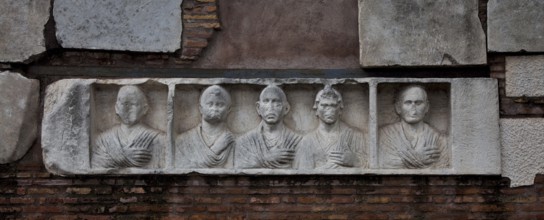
414 126
128 126
270 126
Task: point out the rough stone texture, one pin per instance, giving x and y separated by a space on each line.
21 29
525 76
284 34
514 26
420 33
522 149
76 111
18 115
133 25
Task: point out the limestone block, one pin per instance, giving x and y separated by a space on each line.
21 29
420 33
18 115
131 25
271 126
525 76
514 26
522 143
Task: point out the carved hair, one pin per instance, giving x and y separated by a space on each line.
328 93
400 94
135 90
218 91
275 89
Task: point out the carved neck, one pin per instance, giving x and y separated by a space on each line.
127 129
324 127
272 128
209 129
412 130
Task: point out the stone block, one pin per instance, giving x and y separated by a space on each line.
522 143
420 33
525 76
128 25
272 126
514 26
22 26
18 115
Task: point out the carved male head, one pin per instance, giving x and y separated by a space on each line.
412 104
131 105
215 104
272 105
328 105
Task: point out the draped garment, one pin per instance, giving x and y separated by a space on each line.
192 152
116 149
315 147
251 148
396 151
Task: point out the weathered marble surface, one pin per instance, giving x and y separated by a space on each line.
522 149
420 33
514 26
21 29
77 111
525 76
132 25
18 115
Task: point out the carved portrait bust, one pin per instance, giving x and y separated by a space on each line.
208 145
411 143
132 143
333 144
271 144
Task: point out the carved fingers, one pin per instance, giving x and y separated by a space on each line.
431 155
342 158
279 157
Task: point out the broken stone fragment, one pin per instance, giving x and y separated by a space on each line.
129 25
22 26
18 115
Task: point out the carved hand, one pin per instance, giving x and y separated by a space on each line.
428 155
139 157
279 157
341 158
222 143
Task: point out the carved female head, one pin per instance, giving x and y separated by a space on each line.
131 105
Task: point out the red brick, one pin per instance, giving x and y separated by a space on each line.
271 199
41 191
21 200
208 199
79 190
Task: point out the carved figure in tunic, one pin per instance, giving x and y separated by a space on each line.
271 144
412 143
210 144
132 143
333 144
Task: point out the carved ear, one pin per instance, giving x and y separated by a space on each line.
286 108
427 107
257 105
397 109
117 108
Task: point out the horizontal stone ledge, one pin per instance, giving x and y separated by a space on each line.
146 72
156 126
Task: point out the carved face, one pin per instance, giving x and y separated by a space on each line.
413 105
131 106
214 108
328 110
271 107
